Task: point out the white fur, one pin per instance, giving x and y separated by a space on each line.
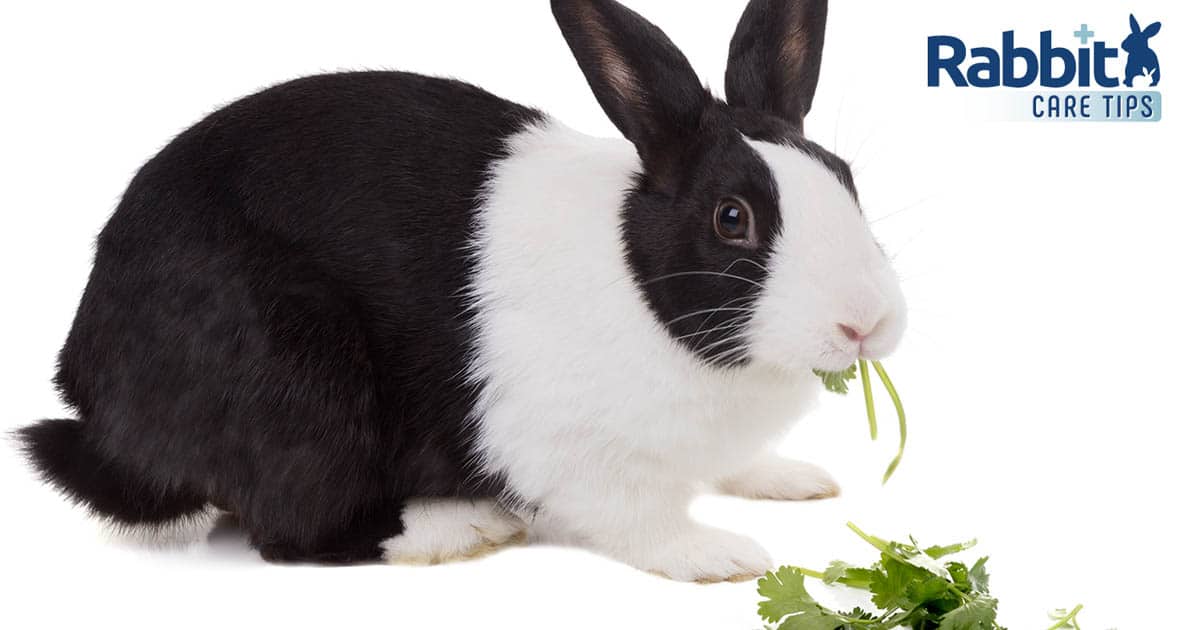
440 530
590 411
779 479
826 270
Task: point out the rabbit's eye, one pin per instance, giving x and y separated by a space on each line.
733 220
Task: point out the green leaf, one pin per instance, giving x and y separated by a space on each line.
921 592
938 552
976 614
960 575
978 576
922 561
836 382
788 599
836 571
858 578
859 613
785 594
921 619
815 620
890 586
888 590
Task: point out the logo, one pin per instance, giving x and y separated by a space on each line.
1049 81
1142 61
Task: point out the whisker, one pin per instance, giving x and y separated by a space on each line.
896 256
729 303
734 323
727 354
837 126
854 163
752 262
901 211
707 273
731 266
706 311
740 337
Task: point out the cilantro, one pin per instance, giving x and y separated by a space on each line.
838 383
788 600
939 551
1066 619
785 594
887 383
977 576
909 586
978 613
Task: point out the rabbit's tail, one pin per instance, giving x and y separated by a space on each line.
66 459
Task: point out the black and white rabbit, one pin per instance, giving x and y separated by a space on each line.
379 315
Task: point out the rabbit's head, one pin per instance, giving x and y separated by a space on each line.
1139 39
745 236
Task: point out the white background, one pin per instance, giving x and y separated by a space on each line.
1050 269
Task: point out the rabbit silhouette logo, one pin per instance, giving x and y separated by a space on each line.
1141 68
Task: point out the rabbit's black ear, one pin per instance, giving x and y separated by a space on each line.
1133 25
1152 30
775 57
643 82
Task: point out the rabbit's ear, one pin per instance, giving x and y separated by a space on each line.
1133 25
775 57
1152 30
643 82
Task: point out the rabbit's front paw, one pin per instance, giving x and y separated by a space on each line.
781 479
708 555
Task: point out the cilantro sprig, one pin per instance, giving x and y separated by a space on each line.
838 383
910 586
1066 618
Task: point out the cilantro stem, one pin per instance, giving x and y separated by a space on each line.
877 543
866 381
887 383
1069 620
819 575
844 581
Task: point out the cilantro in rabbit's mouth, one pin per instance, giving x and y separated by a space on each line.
838 383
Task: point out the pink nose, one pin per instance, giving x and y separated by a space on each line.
853 333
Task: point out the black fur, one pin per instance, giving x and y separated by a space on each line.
276 322
67 460
643 82
700 286
775 57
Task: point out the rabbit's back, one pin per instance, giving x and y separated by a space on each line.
284 282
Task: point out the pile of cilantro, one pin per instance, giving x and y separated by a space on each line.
910 587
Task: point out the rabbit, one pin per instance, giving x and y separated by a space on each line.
383 317
1142 61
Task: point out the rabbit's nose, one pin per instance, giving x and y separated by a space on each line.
855 333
